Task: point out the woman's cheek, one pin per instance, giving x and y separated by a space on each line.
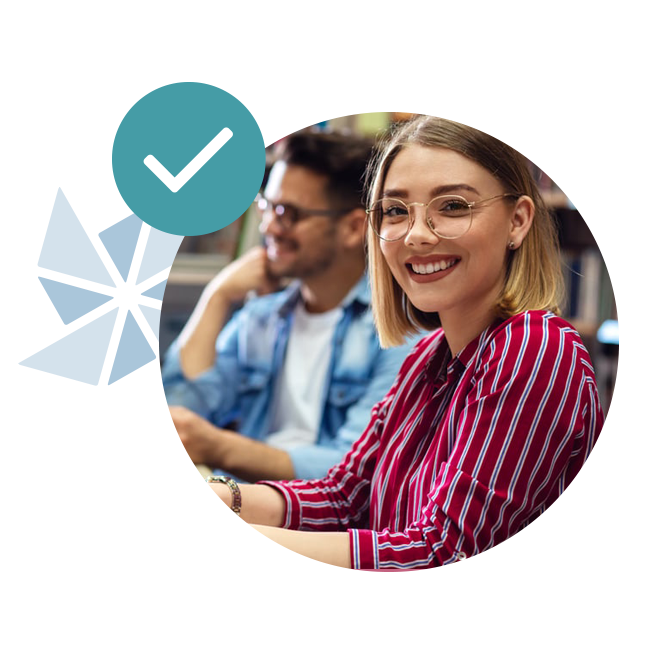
389 253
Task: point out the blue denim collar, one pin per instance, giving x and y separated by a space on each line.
360 294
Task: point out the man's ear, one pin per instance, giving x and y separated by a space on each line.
521 220
353 227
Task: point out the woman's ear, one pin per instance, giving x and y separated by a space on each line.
353 228
521 220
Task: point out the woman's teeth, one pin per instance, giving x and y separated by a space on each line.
429 268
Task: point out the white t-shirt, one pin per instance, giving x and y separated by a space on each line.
299 390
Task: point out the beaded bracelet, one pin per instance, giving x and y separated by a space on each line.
234 489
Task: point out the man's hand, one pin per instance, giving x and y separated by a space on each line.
245 458
249 272
199 437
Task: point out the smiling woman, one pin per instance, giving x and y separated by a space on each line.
447 264
488 175
494 412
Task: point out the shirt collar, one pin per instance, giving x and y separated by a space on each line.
476 346
443 366
360 294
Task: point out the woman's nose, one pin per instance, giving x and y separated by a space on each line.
421 232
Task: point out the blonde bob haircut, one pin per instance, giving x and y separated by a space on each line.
533 274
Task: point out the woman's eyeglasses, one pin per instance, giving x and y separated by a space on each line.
449 217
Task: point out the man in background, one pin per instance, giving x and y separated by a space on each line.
296 371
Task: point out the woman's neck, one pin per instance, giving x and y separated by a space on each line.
461 328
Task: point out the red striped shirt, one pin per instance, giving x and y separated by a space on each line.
462 452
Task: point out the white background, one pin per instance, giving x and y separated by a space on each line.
109 536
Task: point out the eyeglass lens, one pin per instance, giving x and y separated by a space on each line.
286 215
447 216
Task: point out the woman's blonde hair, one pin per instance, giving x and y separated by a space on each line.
533 277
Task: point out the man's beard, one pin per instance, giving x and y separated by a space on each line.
304 265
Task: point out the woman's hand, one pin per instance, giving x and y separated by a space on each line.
264 507
260 504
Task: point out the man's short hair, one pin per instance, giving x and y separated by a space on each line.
340 157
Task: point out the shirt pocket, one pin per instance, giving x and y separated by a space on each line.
343 394
252 380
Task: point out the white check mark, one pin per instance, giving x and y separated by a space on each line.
175 183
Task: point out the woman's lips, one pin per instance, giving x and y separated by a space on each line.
424 270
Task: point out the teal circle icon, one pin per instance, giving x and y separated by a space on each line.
188 159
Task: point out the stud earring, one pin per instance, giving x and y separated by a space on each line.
511 245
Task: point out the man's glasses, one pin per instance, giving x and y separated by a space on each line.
449 217
288 215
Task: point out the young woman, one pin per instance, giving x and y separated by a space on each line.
492 414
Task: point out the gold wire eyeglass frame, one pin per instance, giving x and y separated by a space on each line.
375 208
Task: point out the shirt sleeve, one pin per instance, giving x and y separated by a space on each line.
213 393
341 499
311 462
527 425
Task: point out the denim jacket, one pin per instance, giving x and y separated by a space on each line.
251 350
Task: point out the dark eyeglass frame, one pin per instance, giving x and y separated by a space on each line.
411 216
289 215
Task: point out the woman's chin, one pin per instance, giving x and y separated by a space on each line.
424 303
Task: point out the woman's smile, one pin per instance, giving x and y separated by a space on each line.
433 268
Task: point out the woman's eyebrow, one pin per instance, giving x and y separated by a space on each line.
449 188
394 193
441 190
